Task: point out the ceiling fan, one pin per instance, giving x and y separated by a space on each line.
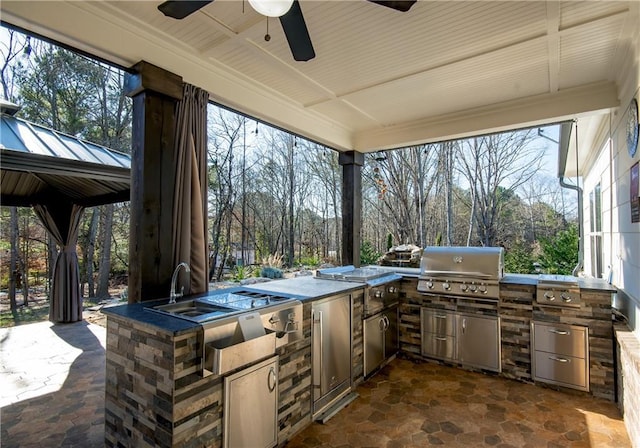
292 20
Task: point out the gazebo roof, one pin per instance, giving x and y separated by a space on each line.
39 164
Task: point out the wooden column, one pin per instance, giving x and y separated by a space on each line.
351 162
155 93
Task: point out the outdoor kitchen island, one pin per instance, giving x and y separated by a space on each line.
516 309
158 395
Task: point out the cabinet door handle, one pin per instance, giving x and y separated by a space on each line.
272 380
317 366
563 360
382 324
440 338
464 325
560 332
440 316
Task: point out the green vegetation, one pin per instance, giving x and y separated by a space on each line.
560 252
520 259
368 255
271 272
24 315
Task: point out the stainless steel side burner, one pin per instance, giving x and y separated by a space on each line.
558 290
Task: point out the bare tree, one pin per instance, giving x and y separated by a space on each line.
11 51
494 166
225 133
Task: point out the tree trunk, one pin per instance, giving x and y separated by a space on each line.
291 246
24 263
52 251
90 255
105 255
13 273
448 191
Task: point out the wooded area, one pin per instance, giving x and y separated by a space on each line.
271 192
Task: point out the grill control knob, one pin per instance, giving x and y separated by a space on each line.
482 289
473 288
446 286
464 287
565 297
549 296
430 284
378 294
392 289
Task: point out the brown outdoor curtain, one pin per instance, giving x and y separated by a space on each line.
190 195
62 220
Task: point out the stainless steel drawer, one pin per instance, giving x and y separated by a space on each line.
439 322
437 346
561 339
562 370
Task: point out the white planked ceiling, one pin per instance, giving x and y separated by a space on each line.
381 78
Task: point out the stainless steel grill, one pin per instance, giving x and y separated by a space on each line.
462 271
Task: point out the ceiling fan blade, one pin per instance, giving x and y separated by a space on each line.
295 29
179 9
398 5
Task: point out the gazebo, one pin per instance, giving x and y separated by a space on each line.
59 176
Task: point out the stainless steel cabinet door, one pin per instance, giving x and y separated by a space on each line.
479 341
373 342
391 338
331 344
251 406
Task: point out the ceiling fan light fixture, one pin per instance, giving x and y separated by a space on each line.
271 8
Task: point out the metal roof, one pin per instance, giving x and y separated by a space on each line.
38 164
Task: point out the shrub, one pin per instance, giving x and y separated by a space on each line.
519 259
241 272
273 261
368 255
271 272
309 261
560 253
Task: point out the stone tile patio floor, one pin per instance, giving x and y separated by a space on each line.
52 394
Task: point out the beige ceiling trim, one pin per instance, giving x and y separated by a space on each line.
532 111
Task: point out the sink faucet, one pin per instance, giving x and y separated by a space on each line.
173 295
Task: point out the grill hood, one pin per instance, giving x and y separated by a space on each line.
471 262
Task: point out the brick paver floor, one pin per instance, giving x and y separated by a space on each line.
52 385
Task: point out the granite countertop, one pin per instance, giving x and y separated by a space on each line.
138 313
302 288
519 279
306 287
596 284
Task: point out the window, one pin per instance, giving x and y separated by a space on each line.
595 227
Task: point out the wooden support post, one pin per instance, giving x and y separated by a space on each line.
351 162
155 93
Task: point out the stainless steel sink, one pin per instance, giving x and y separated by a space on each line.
195 310
219 304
